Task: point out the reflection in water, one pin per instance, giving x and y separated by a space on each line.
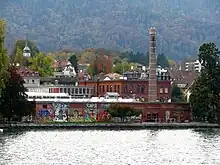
167 147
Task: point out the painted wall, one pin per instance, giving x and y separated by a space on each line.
90 112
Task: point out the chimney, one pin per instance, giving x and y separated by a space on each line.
152 81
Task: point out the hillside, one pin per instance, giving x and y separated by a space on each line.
182 25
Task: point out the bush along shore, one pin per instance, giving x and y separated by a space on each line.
106 126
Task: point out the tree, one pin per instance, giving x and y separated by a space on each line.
42 64
19 57
74 61
21 44
162 61
205 98
177 94
122 67
13 98
4 59
122 111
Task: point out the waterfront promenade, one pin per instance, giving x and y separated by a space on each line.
107 126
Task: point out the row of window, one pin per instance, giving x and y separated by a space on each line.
164 90
108 88
73 90
127 89
32 81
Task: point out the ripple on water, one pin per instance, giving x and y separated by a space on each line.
141 147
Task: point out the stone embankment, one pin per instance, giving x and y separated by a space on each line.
104 126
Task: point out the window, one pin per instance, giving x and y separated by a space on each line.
107 88
115 88
32 81
126 89
161 90
142 89
138 89
87 91
76 90
80 90
118 88
61 90
44 106
166 90
100 88
110 88
65 90
103 89
84 90
69 90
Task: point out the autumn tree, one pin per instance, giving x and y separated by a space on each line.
42 64
122 67
205 98
18 57
13 98
4 59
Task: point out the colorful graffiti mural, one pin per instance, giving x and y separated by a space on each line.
75 115
60 111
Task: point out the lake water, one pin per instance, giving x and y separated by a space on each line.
142 147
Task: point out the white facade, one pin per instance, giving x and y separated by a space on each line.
194 65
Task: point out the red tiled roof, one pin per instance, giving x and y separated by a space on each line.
27 72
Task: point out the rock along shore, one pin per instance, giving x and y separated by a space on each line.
105 126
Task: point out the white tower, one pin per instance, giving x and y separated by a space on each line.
26 50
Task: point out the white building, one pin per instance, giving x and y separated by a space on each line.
193 65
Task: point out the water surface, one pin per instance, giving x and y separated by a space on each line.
142 147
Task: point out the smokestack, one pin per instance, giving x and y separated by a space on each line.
152 81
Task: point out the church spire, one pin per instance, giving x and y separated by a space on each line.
26 50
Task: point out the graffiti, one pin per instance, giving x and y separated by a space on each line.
60 111
91 111
75 115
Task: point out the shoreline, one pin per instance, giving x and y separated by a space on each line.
105 126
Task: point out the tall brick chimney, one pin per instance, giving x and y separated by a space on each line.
152 82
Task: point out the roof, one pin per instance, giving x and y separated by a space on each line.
27 72
26 48
47 94
88 100
183 77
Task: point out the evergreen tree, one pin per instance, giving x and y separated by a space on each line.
162 61
13 98
74 62
205 98
177 94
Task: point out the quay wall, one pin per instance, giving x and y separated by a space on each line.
117 126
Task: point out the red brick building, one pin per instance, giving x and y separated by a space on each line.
130 88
